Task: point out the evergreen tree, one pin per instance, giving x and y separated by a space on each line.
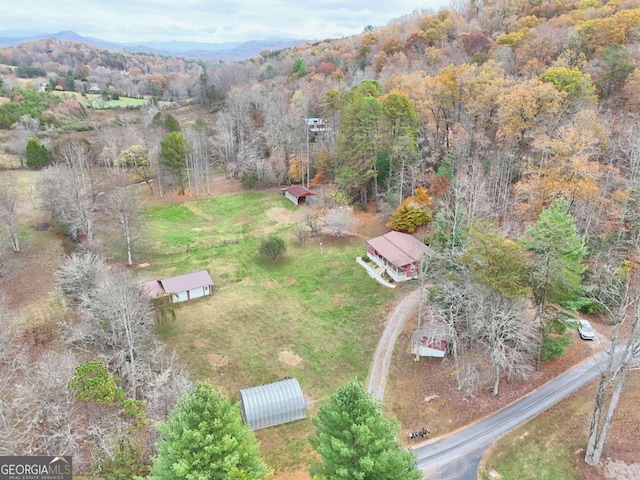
358 143
356 441
556 264
173 156
171 123
204 438
558 254
37 154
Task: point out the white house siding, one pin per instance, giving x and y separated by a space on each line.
198 292
291 197
180 297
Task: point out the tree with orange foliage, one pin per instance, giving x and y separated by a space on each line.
412 212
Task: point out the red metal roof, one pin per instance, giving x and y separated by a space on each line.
398 248
299 191
185 282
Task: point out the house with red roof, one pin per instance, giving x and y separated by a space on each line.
399 253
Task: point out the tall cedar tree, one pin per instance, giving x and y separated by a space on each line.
204 437
356 441
556 264
173 156
37 154
558 254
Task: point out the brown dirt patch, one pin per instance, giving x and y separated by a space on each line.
299 475
289 358
283 216
218 361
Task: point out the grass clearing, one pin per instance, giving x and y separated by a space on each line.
323 308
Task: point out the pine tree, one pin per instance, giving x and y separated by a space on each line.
173 156
356 441
204 437
558 254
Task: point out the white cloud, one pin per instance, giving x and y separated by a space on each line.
212 21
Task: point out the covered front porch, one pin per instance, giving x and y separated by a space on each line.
398 275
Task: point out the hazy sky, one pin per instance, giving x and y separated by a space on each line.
214 21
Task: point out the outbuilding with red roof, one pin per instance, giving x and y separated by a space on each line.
297 194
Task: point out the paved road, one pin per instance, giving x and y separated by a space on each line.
456 456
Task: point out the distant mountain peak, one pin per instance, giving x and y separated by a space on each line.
225 51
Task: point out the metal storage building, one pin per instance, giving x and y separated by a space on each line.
272 404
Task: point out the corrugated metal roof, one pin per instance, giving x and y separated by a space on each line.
272 404
185 282
299 191
399 248
153 288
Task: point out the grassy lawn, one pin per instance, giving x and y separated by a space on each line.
96 102
316 317
123 102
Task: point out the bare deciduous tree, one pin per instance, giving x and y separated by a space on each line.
125 206
622 353
119 322
198 160
339 221
80 274
488 334
70 191
9 211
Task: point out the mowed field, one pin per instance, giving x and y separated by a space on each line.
309 315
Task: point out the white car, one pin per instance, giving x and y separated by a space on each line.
585 330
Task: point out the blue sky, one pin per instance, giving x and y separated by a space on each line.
213 21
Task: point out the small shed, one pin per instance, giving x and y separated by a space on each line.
432 340
183 287
272 404
297 194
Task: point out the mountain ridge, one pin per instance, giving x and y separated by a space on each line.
226 51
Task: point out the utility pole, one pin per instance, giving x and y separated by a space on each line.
307 128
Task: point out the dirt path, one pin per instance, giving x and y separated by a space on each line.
379 371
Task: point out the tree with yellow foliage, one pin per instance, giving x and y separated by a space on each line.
412 212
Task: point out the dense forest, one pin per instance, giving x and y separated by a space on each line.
503 133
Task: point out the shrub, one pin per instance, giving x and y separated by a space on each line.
37 154
272 247
556 339
554 346
585 305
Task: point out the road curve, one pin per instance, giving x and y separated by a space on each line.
456 456
379 371
476 438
